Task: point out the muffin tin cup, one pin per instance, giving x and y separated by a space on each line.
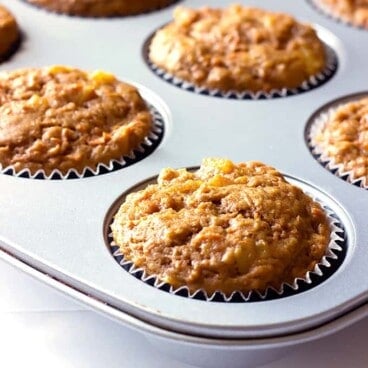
327 11
311 83
334 256
149 144
55 12
314 126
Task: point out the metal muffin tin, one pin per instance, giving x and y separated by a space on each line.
55 229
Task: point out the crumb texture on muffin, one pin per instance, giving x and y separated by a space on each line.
101 8
228 227
237 49
343 138
64 118
352 11
9 31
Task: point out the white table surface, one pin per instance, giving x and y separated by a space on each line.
39 327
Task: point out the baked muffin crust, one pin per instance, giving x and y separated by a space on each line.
9 32
64 118
237 48
101 8
344 138
224 227
352 11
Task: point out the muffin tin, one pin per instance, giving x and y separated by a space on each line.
56 229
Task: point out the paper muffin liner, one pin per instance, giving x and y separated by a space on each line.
148 145
333 258
311 83
328 12
55 12
318 153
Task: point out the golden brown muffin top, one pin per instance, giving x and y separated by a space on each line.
9 32
237 48
228 227
101 8
344 138
64 118
353 11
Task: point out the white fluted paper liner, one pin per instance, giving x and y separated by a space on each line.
150 142
334 252
326 161
309 84
327 11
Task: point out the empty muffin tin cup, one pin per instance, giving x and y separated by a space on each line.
314 126
312 82
149 144
333 258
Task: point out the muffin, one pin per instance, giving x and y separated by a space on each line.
225 227
9 33
343 138
61 118
237 49
351 11
101 8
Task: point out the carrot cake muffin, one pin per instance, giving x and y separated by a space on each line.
352 11
63 118
101 8
9 32
228 227
237 48
343 138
